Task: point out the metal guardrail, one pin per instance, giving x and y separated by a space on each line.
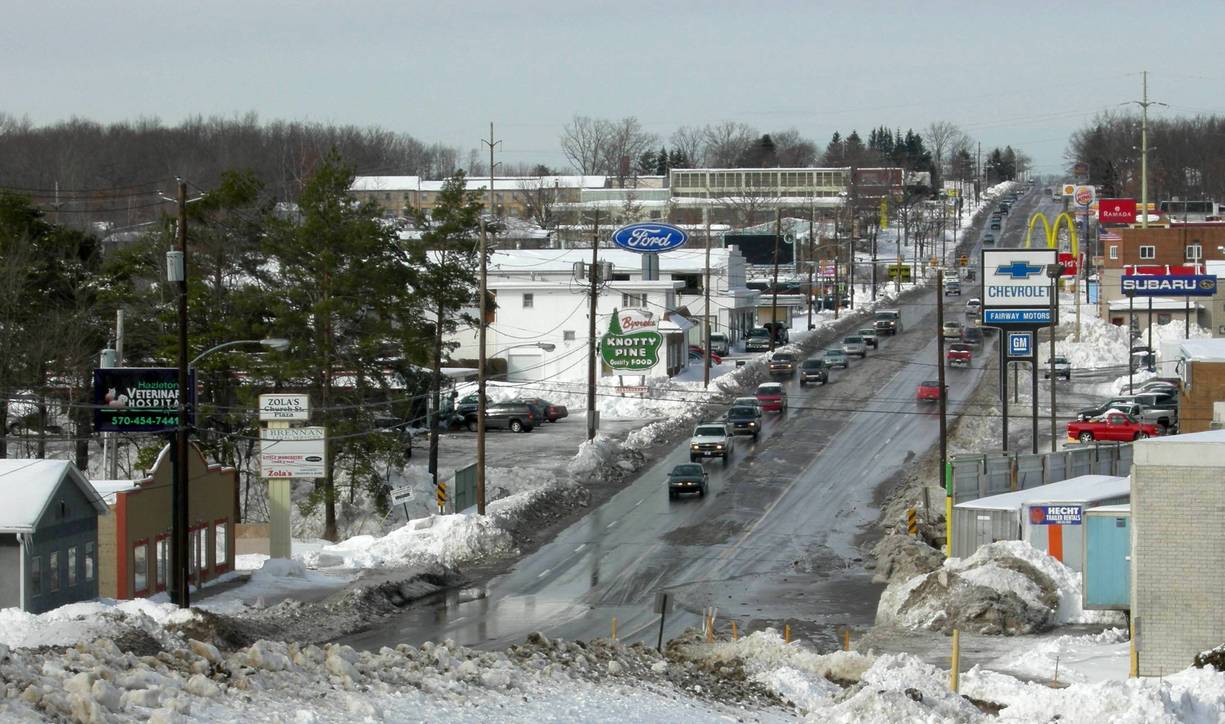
981 475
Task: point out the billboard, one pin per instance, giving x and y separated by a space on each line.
1169 285
139 399
292 452
650 238
1116 211
1056 515
633 341
1016 288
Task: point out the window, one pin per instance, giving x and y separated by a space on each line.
162 553
72 566
221 543
53 572
528 300
140 568
194 547
633 301
89 561
1148 252
567 335
1114 251
36 575
1195 251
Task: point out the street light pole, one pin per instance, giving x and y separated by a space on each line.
592 277
706 293
178 488
1054 273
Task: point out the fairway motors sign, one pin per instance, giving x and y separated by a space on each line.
1016 289
292 452
633 341
649 238
1056 515
1169 285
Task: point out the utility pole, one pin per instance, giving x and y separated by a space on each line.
812 259
593 279
778 233
706 294
1003 352
837 234
944 436
1054 323
482 373
178 489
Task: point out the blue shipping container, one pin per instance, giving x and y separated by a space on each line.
1106 574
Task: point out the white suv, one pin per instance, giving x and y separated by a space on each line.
710 440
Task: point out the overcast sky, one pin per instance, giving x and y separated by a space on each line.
1019 73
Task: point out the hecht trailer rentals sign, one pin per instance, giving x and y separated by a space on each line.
633 341
1016 288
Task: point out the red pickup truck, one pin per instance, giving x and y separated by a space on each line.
929 391
1111 426
959 354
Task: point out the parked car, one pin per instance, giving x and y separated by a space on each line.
951 330
1167 385
779 330
534 403
513 416
960 354
1063 368
772 396
929 391
869 337
696 352
854 345
687 478
710 440
744 420
720 344
888 321
813 370
758 340
996 225
466 405
549 411
835 358
1113 426
972 335
783 364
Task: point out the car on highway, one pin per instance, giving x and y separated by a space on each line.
974 307
951 330
772 396
854 345
758 340
995 225
1063 368
835 358
744 420
972 335
869 336
813 370
988 238
1115 425
719 344
929 391
888 321
783 364
960 354
952 287
750 401
710 440
549 411
687 478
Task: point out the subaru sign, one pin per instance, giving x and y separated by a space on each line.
649 238
1169 285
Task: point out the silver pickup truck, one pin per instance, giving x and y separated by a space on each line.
1155 408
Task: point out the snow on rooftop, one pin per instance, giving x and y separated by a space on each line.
27 486
522 183
546 260
1207 436
1107 509
1084 488
1203 350
385 183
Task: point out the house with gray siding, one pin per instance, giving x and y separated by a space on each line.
48 535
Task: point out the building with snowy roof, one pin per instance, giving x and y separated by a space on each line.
517 196
1201 366
1178 549
48 535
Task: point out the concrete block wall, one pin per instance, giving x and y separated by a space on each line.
1178 552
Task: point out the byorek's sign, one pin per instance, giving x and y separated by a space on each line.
650 238
633 341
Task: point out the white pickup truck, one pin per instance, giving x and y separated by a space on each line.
710 440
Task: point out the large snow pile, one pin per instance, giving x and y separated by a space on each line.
439 539
1006 587
1086 658
88 620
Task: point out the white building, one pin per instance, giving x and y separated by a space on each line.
540 302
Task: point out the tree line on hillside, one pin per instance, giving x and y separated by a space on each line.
1186 156
364 309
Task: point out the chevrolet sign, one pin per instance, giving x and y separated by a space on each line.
1169 285
1016 290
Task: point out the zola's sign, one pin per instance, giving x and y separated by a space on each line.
633 341
284 407
1169 285
649 238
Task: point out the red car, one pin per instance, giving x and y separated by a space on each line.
696 351
929 391
772 397
1111 426
959 354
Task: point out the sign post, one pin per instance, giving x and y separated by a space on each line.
287 453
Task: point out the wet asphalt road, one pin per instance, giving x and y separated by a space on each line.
774 541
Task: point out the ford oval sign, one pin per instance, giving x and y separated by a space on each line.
649 238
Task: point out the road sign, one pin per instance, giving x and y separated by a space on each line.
284 407
399 496
292 452
1020 344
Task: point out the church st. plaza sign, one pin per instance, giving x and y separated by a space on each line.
633 341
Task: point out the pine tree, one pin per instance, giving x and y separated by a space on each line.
662 162
646 163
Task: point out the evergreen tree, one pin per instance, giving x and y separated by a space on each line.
646 163
663 162
677 158
835 153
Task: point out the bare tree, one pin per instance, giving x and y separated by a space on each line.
539 197
690 141
584 142
793 150
725 142
943 137
627 141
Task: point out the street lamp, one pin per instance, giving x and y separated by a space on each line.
275 343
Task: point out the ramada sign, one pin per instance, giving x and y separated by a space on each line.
1116 211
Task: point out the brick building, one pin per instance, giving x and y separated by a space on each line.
1178 549
1201 365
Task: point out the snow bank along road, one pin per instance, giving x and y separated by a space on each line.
773 541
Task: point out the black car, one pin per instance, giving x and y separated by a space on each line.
466 405
758 340
779 330
547 410
813 370
744 420
513 416
687 478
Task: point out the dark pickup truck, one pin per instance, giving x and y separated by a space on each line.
744 420
888 321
